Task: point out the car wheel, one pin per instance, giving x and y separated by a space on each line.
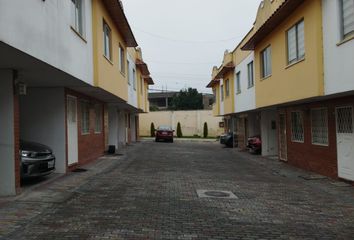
171 141
156 140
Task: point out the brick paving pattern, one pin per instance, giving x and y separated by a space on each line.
151 194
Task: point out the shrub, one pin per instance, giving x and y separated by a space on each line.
152 130
205 130
179 130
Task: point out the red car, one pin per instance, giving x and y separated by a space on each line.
255 144
164 133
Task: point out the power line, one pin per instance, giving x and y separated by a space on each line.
181 63
185 41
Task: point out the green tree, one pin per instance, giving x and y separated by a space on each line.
205 130
179 130
152 130
187 99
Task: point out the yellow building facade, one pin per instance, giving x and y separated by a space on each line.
287 82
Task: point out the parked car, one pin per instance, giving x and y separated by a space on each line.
36 160
255 144
164 133
227 139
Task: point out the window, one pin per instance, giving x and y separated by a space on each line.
319 126
128 71
227 87
297 127
250 75
296 42
266 61
121 59
222 92
107 41
98 115
78 16
85 117
141 85
347 8
134 79
238 83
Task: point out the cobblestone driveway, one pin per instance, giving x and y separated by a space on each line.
151 194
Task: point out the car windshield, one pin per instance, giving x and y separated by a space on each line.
164 128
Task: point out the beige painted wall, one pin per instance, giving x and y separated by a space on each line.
192 122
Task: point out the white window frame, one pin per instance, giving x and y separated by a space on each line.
121 59
142 86
134 79
222 92
238 82
227 87
250 71
98 118
312 127
266 62
107 41
85 117
298 37
346 34
292 127
128 72
78 16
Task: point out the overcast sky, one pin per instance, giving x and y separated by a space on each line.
182 40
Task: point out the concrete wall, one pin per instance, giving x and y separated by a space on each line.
192 122
338 60
7 140
132 93
269 135
43 29
42 120
246 100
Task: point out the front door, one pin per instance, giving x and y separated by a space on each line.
345 142
282 137
72 130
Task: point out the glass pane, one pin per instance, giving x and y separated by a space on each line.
348 17
301 40
292 45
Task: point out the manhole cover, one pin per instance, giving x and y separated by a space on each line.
216 194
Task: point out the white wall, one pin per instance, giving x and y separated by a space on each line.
7 140
269 135
42 120
246 100
338 60
121 129
113 126
132 93
42 30
192 122
133 128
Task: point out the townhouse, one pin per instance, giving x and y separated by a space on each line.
69 80
297 91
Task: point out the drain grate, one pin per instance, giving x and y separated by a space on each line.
216 194
78 170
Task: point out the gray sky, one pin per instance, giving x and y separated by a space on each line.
183 39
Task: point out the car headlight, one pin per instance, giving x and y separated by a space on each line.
28 154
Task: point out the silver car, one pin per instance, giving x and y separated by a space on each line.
36 160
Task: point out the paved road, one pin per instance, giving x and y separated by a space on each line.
151 194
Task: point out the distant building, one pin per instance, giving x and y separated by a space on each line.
162 100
